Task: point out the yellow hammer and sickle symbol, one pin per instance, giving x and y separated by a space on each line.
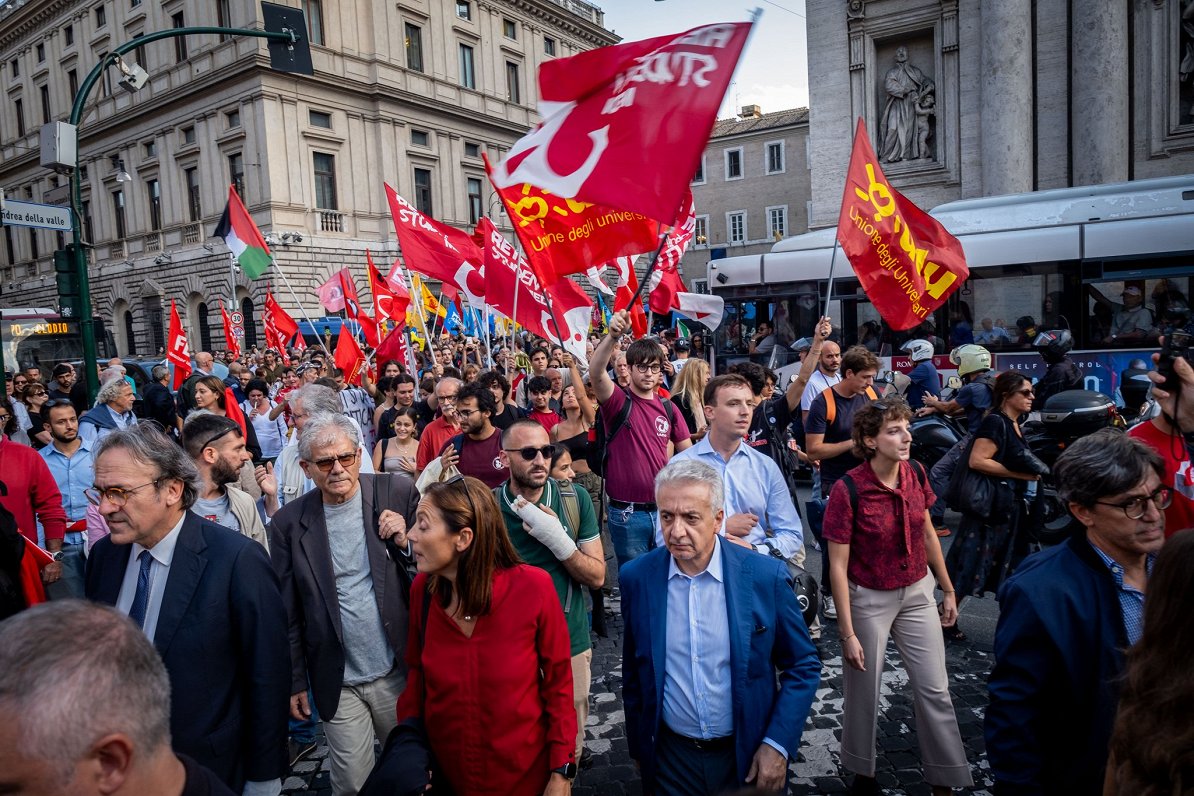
530 208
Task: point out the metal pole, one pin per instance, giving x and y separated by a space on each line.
829 288
306 317
87 319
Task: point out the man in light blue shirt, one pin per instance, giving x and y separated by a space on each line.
69 460
708 625
113 409
759 510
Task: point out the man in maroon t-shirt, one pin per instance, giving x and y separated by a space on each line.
480 440
539 388
638 449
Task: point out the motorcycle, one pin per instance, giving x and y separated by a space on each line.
932 435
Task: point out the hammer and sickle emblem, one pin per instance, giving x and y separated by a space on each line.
527 161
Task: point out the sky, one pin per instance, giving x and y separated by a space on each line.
773 73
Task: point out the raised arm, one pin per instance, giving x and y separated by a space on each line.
796 389
603 385
588 409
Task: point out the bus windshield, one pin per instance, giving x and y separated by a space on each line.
44 338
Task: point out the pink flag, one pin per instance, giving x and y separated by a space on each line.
331 292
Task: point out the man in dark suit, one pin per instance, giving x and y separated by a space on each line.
207 598
707 625
346 594
159 402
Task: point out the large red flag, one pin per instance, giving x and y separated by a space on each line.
352 308
394 347
907 262
437 250
627 287
507 275
566 236
230 338
176 348
348 356
279 326
389 301
625 126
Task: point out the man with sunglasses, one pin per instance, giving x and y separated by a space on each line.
477 450
217 447
637 447
1066 617
208 600
70 463
345 592
553 527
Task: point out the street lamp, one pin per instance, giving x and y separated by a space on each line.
285 31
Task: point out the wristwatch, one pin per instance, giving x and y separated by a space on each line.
568 770
59 555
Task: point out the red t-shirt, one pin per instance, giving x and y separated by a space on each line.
887 535
548 420
482 460
639 451
1178 475
432 439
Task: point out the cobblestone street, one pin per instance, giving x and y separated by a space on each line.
816 769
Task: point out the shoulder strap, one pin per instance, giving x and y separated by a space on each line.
852 489
621 420
870 393
919 469
571 506
830 406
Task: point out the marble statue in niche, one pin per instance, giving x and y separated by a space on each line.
906 124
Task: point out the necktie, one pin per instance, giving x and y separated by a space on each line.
144 584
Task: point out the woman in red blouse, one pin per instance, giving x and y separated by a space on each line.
493 682
881 548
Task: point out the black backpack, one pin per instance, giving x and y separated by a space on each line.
600 438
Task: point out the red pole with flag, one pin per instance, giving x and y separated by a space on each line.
907 263
176 348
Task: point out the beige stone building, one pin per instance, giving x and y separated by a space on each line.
971 98
412 93
752 188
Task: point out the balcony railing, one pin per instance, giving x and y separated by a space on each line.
153 242
330 220
190 233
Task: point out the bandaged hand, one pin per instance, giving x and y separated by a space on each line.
545 528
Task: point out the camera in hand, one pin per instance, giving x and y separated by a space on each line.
1177 344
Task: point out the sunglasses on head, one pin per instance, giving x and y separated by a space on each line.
529 452
459 479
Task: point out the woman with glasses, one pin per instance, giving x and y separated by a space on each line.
489 666
32 424
885 562
988 549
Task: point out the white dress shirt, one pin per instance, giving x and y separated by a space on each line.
163 555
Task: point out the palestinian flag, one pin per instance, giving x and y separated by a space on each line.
241 235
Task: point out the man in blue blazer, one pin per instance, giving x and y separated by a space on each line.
206 597
707 626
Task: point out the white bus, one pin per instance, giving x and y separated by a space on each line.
1045 260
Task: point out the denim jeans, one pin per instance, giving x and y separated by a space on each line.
304 731
70 585
633 533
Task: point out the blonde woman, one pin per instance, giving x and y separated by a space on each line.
687 392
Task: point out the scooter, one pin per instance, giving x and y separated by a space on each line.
932 435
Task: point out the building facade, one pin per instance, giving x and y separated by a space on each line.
752 187
971 98
411 93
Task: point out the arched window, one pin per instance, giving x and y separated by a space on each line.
204 327
250 319
153 317
130 337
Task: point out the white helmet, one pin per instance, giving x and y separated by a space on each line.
918 350
970 358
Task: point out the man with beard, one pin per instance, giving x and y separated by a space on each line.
217 447
477 450
553 527
444 427
69 461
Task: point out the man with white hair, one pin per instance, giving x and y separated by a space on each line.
113 409
306 402
344 594
699 615
60 655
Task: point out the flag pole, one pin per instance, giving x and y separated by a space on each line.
829 287
422 313
650 269
302 309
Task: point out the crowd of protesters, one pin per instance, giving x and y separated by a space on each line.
419 561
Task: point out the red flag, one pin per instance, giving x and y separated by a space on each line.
348 356
907 262
389 301
507 273
666 281
352 308
233 411
625 126
176 348
279 326
230 338
627 286
573 309
437 250
565 236
394 347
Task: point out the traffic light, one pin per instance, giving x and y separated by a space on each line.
67 276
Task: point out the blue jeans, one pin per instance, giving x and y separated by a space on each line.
633 533
304 731
70 585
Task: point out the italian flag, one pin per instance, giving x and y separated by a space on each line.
241 235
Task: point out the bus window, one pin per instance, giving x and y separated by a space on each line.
1133 313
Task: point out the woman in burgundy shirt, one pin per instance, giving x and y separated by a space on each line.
493 682
882 547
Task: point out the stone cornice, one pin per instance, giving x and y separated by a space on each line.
29 19
558 17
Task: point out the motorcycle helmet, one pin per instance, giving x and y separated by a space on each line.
1054 344
970 358
918 350
1134 385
